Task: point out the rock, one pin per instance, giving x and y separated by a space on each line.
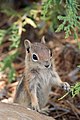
17 112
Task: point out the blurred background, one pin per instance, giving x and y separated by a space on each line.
59 22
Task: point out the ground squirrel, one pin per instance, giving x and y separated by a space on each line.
40 75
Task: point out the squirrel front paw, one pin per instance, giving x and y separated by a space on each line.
36 107
65 86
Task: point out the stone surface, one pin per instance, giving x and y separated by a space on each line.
17 112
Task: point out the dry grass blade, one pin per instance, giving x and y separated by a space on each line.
75 110
60 115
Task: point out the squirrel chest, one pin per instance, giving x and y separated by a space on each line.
42 80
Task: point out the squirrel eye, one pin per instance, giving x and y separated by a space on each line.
34 57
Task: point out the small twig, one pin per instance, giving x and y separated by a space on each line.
64 96
57 116
57 107
75 110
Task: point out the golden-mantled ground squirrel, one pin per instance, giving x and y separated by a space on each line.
40 76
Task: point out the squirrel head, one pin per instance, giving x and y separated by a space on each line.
38 55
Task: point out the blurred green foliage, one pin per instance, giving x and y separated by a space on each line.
14 31
50 10
7 63
62 11
2 35
75 90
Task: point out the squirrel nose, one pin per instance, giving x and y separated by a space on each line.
46 66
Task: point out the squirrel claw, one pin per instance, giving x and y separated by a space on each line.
65 86
36 108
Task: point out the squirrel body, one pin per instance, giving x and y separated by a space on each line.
40 76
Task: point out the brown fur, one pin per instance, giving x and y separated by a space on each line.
40 76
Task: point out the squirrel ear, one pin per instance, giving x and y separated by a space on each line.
27 45
43 40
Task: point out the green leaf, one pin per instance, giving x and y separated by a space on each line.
11 75
2 34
